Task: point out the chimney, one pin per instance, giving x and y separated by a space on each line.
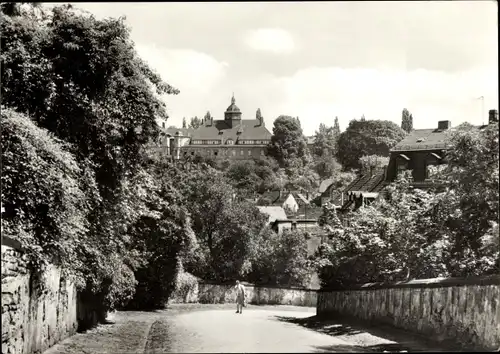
444 124
258 116
492 116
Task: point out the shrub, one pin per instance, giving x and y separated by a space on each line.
43 194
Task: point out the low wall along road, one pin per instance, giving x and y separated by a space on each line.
466 311
206 293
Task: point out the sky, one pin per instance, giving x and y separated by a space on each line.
319 60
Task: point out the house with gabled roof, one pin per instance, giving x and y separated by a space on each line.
423 148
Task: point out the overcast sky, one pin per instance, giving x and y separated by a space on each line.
318 60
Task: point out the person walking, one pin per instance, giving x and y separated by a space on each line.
240 297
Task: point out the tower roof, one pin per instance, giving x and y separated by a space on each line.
233 107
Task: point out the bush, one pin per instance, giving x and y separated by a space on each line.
43 194
186 286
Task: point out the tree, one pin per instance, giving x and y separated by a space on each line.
473 200
326 167
324 141
385 241
287 142
184 125
161 234
370 137
280 259
407 121
243 177
224 227
102 105
15 8
195 122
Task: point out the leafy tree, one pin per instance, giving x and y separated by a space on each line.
287 142
243 177
373 163
385 241
14 8
369 137
224 226
407 121
325 141
101 104
184 125
195 122
280 259
472 176
326 166
162 234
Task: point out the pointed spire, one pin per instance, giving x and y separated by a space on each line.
233 101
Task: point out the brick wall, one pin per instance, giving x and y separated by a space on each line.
466 311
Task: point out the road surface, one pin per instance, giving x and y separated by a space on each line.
212 328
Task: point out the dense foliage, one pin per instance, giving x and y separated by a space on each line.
280 259
80 79
422 234
287 142
47 196
407 121
367 137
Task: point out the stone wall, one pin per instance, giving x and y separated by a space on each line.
35 317
206 293
463 310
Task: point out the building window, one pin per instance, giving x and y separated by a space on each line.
261 152
229 142
241 152
234 152
402 166
163 124
249 152
192 153
216 153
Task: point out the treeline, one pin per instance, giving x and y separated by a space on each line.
450 231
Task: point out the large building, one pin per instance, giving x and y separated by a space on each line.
231 138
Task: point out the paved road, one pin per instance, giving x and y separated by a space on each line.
258 329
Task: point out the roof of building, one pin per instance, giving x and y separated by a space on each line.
423 139
250 129
274 212
182 131
325 184
427 139
367 183
233 108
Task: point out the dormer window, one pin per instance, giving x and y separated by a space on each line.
419 140
229 142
